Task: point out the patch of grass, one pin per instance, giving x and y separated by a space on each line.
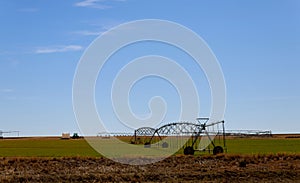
262 146
54 147
45 148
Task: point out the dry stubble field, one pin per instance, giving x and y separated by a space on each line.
221 168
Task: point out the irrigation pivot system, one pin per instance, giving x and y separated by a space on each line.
8 132
191 137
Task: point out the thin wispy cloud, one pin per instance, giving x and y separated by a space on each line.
92 4
98 28
99 4
58 49
89 33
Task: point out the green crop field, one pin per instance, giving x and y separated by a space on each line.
46 148
263 146
54 147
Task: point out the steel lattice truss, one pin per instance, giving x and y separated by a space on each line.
144 131
181 128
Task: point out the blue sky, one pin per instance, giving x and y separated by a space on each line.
256 42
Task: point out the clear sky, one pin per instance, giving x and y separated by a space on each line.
256 42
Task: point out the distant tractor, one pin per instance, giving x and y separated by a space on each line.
75 136
67 136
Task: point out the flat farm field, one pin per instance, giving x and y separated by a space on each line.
55 147
275 159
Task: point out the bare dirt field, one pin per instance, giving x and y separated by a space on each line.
221 168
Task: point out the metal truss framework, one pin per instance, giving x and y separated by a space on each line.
141 132
7 132
187 129
144 131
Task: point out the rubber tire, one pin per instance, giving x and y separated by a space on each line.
147 145
165 145
218 150
189 150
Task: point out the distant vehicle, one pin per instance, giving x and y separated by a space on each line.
76 136
3 132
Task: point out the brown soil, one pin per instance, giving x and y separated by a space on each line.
221 168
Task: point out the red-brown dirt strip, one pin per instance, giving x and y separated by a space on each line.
221 168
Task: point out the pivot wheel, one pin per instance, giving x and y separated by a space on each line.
189 150
165 145
147 145
218 150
